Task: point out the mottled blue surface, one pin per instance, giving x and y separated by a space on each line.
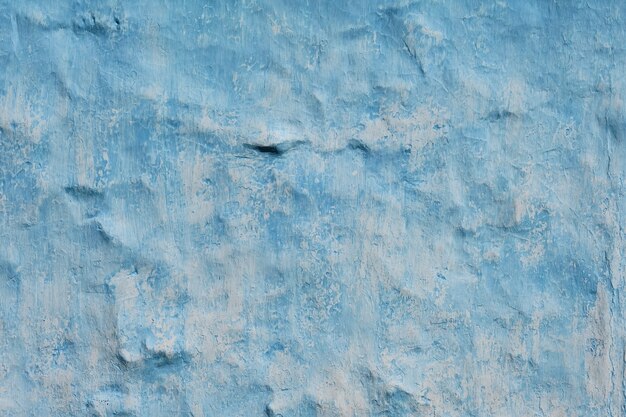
322 208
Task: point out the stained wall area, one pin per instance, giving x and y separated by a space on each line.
312 208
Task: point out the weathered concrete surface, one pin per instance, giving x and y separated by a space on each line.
319 208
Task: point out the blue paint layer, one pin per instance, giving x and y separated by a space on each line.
277 208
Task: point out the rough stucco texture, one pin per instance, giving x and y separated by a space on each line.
280 208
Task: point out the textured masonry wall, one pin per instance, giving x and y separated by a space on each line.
312 208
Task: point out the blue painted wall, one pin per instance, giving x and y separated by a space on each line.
322 208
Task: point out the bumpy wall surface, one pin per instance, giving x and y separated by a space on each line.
312 208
